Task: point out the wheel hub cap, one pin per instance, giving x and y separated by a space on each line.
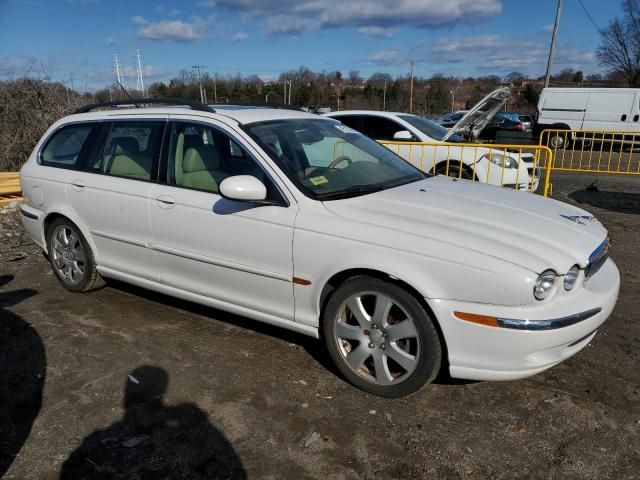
377 337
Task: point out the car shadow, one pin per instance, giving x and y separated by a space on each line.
621 202
154 439
22 375
314 347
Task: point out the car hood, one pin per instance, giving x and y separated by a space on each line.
481 114
524 229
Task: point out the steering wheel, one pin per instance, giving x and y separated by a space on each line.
338 160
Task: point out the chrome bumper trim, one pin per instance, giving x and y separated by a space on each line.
551 324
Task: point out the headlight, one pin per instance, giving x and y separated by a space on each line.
544 284
503 161
570 277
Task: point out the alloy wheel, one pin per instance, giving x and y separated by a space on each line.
377 338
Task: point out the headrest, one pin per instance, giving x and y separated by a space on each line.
203 157
124 145
192 141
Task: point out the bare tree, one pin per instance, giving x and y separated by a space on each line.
620 44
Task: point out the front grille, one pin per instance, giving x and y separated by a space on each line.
597 259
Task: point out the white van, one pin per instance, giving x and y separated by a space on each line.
608 109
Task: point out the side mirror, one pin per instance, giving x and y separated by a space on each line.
403 136
243 188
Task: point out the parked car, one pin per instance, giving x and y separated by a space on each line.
607 109
507 127
246 210
514 170
448 120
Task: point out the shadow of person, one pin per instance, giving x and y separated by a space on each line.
22 374
154 440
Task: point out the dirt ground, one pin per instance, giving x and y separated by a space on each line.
144 386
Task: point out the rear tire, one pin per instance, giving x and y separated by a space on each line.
71 257
380 337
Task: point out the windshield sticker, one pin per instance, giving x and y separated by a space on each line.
345 129
318 180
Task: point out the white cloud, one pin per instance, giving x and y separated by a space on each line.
238 37
387 57
139 20
547 28
500 55
207 3
174 30
301 16
380 32
111 42
17 66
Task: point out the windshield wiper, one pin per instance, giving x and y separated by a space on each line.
357 190
353 191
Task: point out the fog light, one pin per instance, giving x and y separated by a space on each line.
570 277
544 284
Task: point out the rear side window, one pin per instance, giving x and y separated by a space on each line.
66 146
130 150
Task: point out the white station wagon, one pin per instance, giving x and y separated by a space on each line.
245 209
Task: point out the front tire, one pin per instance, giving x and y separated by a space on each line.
454 171
380 337
71 257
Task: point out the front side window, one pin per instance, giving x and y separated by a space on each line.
130 150
327 160
65 146
201 157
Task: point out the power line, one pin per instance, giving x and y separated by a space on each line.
589 16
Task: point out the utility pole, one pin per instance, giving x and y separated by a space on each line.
203 94
285 91
215 88
552 48
290 88
384 97
140 80
411 89
120 80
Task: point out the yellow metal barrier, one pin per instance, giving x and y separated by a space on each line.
521 167
9 188
594 151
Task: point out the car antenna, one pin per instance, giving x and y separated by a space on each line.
126 92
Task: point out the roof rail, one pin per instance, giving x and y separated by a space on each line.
258 105
138 102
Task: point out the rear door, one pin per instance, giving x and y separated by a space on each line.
110 194
610 110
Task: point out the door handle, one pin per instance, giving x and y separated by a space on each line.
78 185
624 117
165 201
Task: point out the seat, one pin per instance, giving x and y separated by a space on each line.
184 143
201 168
126 160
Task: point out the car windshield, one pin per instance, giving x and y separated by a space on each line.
429 128
327 160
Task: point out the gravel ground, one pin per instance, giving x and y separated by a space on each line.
139 385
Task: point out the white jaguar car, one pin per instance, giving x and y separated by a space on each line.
401 273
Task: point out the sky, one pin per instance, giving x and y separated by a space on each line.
74 41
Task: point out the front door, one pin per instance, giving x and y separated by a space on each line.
234 252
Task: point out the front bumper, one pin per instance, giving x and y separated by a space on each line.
479 352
